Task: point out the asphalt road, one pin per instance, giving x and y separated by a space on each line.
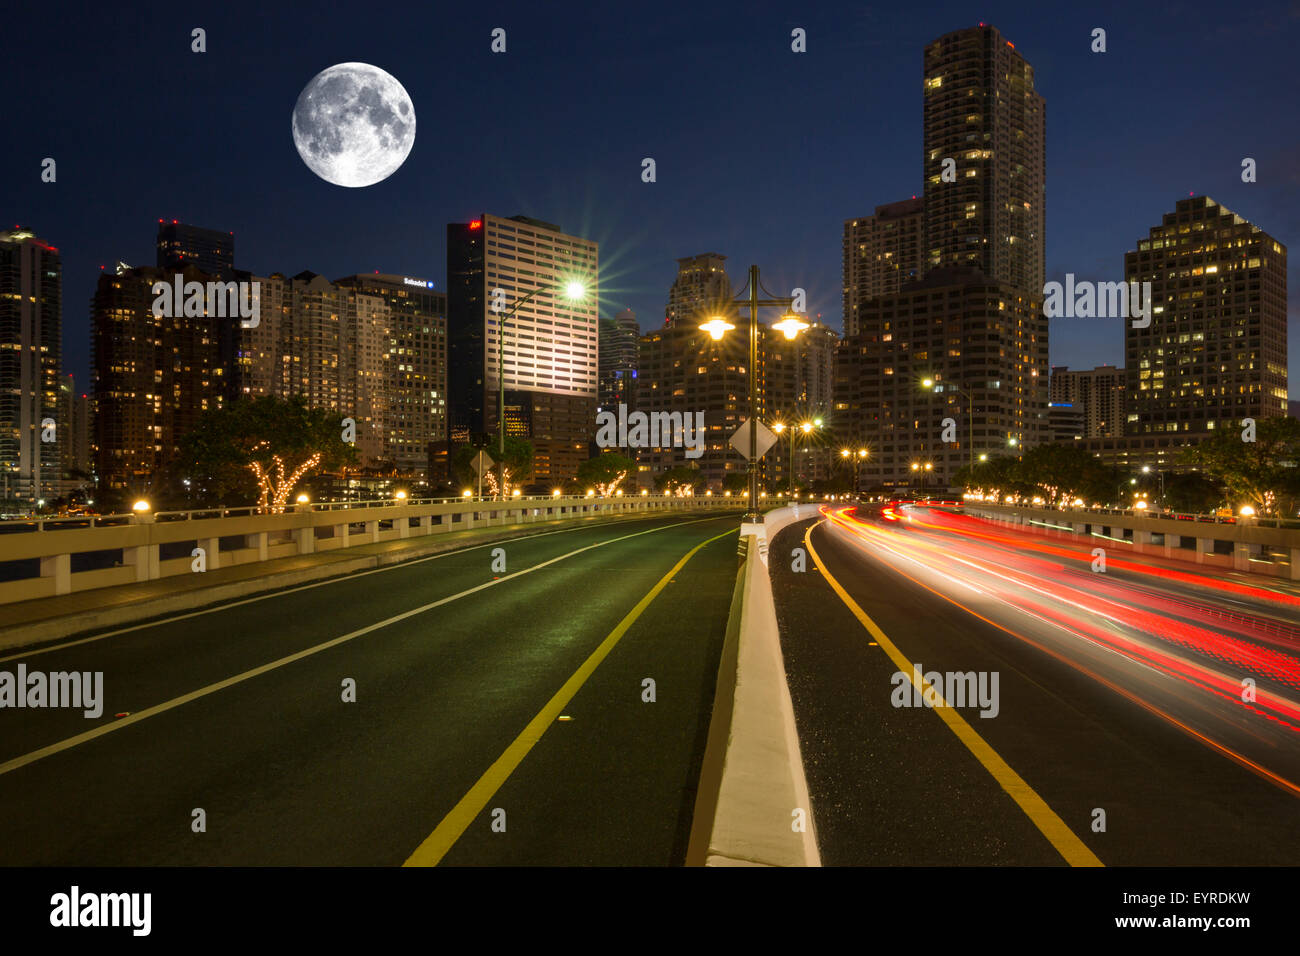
462 675
1118 692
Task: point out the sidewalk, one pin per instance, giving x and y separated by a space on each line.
45 619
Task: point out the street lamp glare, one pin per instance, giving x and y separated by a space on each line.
1246 511
574 291
779 427
928 383
790 325
140 505
807 427
844 453
717 327
817 422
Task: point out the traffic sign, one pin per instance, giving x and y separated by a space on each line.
482 462
766 438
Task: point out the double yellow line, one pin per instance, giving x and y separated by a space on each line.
1075 852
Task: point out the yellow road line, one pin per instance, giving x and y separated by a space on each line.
457 821
1074 850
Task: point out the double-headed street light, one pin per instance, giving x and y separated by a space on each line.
858 458
790 326
574 291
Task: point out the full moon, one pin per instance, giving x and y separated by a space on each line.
353 124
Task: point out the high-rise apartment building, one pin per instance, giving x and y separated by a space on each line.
31 349
416 362
1215 350
881 252
983 113
1096 393
981 345
701 288
973 324
331 344
153 377
548 347
184 246
798 376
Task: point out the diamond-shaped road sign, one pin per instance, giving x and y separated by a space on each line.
766 438
482 462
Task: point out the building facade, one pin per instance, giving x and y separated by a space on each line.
983 113
154 375
1096 393
548 350
1215 349
881 252
182 246
31 352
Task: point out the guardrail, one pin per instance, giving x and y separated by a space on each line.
58 557
1250 544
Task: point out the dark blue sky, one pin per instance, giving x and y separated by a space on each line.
761 152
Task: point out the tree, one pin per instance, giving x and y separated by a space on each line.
681 481
737 482
1264 473
261 447
605 472
1192 493
518 464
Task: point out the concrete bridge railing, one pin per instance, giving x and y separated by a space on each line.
41 558
1252 545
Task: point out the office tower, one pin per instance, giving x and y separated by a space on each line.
982 112
153 376
183 246
550 343
31 320
968 335
1215 350
619 338
415 391
1096 393
881 252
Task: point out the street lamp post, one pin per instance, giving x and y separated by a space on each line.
791 325
574 291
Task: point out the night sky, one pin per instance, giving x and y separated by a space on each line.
761 152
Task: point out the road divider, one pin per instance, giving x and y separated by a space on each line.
753 807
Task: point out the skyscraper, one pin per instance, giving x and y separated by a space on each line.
331 344
416 366
619 338
1215 350
153 375
208 250
550 343
881 252
973 325
983 113
978 342
31 320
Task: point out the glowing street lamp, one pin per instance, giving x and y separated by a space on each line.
790 326
1246 511
717 327
141 506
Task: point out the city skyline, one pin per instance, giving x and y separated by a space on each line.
642 228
